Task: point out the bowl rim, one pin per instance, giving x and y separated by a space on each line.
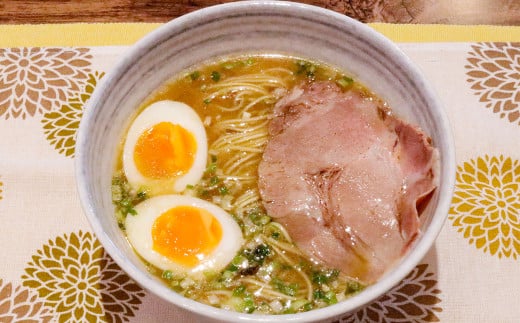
393 277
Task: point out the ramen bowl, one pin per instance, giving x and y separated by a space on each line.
254 27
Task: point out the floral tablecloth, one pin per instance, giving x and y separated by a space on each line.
53 268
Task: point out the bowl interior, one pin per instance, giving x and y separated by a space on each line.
259 27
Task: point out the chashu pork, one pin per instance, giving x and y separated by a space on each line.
344 176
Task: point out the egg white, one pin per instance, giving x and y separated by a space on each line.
139 234
176 113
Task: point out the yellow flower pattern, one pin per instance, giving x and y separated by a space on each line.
60 126
75 270
486 204
34 80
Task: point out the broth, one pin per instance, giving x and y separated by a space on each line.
234 98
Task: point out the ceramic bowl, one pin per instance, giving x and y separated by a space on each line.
242 27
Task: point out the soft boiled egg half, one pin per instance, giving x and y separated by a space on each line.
166 148
183 234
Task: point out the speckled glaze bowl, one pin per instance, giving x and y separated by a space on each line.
241 27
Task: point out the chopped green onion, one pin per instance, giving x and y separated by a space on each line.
207 101
232 267
305 67
275 235
319 278
236 303
238 262
300 67
250 61
255 258
324 276
330 298
287 289
211 168
210 274
238 259
353 287
248 305
253 214
214 180
311 70
299 303
345 81
215 76
289 310
264 220
195 75
124 198
167 274
286 266
318 294
141 194
223 190
116 180
258 217
121 225
227 274
117 193
261 252
131 210
190 187
239 290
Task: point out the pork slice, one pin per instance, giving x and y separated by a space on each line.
417 157
344 178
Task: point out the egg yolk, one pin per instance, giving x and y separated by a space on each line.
186 234
164 151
